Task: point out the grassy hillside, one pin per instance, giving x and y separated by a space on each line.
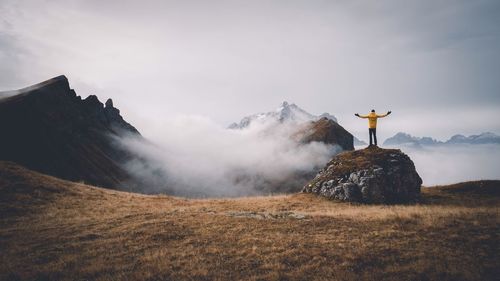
53 229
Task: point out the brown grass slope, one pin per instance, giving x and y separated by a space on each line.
52 229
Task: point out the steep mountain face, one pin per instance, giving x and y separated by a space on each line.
284 113
327 131
48 128
407 139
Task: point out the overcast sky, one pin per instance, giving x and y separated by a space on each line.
435 64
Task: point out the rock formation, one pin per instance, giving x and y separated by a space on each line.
371 175
48 128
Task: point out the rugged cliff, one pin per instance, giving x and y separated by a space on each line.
48 128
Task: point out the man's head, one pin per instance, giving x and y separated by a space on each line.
373 110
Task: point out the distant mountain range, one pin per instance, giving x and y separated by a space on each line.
286 112
483 138
407 139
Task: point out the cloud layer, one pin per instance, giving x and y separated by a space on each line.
194 156
447 164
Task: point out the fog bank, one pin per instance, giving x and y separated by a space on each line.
196 157
447 164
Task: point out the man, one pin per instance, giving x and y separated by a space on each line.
372 124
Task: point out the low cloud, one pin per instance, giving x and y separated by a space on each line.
194 156
447 164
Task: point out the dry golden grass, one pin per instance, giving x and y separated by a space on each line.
57 230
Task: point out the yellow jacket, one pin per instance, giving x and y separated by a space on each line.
372 119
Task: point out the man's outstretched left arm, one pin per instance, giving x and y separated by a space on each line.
384 115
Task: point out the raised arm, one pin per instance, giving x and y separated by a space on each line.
383 115
361 116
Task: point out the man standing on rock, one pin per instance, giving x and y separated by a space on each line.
372 123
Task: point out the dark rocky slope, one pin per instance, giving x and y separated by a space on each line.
326 131
48 128
371 175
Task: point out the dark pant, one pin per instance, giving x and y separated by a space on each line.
373 132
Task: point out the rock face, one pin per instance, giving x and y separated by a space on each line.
371 175
49 129
327 131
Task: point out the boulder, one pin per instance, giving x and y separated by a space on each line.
370 175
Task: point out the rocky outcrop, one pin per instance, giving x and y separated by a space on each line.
326 131
371 175
49 129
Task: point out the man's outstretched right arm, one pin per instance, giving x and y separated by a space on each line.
361 116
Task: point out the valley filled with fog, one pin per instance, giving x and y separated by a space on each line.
196 157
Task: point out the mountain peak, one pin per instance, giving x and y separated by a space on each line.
109 103
286 106
58 81
48 128
405 138
60 78
286 112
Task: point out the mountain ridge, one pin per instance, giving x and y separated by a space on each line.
48 128
402 138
